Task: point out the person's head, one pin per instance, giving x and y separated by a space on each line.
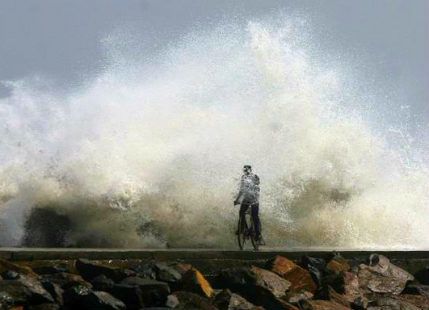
247 169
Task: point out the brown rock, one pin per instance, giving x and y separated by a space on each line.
299 278
194 281
337 265
6 266
322 305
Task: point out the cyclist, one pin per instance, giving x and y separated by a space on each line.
248 196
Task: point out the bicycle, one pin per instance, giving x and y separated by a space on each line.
246 231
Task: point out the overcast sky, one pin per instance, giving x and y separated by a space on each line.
61 39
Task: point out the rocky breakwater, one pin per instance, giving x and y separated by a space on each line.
280 283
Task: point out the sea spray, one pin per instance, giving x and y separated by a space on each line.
150 152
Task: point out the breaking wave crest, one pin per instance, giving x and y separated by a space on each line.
150 152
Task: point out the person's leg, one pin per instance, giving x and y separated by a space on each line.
256 220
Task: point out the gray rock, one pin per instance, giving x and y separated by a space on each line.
89 270
381 276
102 283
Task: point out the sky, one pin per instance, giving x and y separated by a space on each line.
61 40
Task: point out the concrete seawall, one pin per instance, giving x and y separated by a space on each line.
209 261
18 254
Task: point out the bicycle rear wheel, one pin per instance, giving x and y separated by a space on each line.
241 232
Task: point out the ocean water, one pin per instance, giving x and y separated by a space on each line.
149 153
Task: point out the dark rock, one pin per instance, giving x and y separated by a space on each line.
131 295
55 290
13 292
25 290
102 283
316 267
423 276
154 293
89 270
99 300
145 270
194 281
50 269
65 280
187 300
10 275
260 287
417 289
73 295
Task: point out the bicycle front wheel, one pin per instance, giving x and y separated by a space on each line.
241 232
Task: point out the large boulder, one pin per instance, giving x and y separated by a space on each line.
381 276
194 281
299 278
154 293
259 286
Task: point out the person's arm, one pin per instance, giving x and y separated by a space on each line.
240 193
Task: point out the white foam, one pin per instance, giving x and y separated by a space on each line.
162 141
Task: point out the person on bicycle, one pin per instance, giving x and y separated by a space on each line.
248 196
